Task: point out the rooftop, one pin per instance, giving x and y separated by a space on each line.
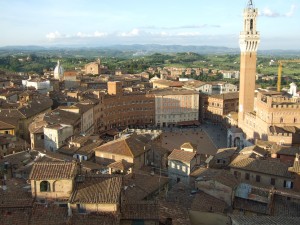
97 189
131 146
53 170
266 166
182 156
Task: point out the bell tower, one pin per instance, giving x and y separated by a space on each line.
249 41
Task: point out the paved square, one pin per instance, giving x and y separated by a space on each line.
174 139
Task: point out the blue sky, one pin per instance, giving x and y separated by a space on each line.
109 22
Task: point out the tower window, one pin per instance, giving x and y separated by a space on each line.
251 24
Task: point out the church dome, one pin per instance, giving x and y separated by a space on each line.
58 71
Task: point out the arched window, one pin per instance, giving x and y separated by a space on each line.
251 24
44 186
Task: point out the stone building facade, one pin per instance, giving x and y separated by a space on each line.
175 106
127 109
276 119
93 68
216 107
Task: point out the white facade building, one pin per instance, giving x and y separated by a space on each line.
55 136
175 106
41 85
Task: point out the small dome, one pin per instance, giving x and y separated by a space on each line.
58 71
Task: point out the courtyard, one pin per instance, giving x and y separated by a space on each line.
208 138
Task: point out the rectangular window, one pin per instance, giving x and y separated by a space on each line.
272 181
288 184
257 178
247 176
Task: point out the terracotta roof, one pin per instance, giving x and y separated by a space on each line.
225 152
20 158
264 220
53 170
139 186
266 166
182 156
61 116
142 210
84 107
89 148
14 199
130 146
10 121
15 216
48 214
94 219
4 125
207 203
282 150
97 189
175 211
173 91
189 145
181 193
222 176
226 96
254 149
249 205
120 165
57 157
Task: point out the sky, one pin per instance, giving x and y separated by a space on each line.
110 22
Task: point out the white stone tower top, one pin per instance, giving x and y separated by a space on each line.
58 71
249 37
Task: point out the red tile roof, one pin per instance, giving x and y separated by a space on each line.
120 165
97 189
53 170
131 147
182 156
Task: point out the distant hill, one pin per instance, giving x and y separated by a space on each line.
131 50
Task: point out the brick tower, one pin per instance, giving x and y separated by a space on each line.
249 40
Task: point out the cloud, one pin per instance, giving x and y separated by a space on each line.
133 33
57 35
100 34
292 11
183 27
95 34
188 34
54 35
267 12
